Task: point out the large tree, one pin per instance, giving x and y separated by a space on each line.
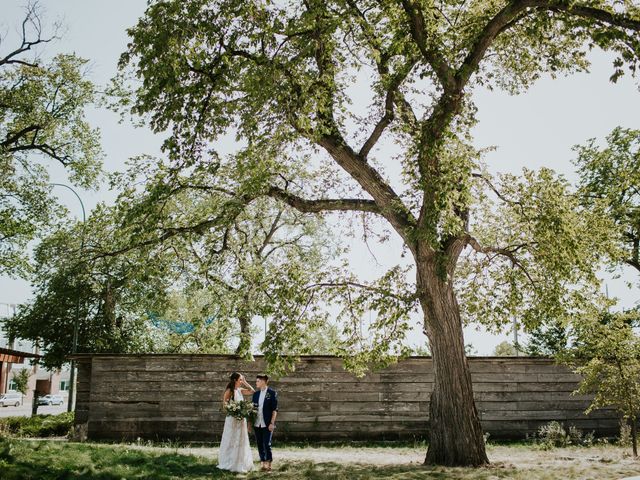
42 120
287 78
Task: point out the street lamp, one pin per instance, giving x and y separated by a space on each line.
74 345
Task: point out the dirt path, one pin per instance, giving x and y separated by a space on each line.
375 456
520 457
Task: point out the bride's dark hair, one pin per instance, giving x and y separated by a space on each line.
232 383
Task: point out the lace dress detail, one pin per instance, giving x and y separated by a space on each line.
235 452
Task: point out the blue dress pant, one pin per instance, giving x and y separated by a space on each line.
263 439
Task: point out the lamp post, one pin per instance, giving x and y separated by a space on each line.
74 345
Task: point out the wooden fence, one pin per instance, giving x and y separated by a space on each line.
178 397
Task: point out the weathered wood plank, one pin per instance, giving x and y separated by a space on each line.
519 405
178 396
532 396
548 415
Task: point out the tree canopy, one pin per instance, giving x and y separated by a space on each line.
281 78
156 272
612 174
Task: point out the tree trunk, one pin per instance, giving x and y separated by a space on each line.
634 436
455 436
244 345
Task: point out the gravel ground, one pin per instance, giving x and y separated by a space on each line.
520 457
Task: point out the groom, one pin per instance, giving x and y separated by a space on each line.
265 399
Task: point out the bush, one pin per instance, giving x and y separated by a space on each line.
576 437
38 425
553 435
624 440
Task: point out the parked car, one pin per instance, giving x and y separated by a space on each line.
50 400
10 398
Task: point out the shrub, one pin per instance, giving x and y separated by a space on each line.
38 425
575 436
553 435
624 440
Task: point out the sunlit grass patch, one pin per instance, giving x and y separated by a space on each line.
20 459
56 460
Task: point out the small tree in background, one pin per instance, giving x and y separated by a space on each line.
606 353
505 349
115 294
21 379
547 340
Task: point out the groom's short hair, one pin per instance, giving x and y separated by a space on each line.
263 376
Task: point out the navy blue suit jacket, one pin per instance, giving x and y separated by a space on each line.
270 403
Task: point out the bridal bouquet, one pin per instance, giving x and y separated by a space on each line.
240 409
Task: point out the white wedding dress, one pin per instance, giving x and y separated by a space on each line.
235 452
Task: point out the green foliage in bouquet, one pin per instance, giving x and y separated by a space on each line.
241 409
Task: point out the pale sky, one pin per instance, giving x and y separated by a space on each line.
532 130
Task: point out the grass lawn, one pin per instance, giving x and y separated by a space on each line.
61 460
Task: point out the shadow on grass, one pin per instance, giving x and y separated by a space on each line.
58 461
335 471
23 459
46 460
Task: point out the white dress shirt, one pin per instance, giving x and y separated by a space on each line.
260 418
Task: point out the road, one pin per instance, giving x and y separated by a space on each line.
25 410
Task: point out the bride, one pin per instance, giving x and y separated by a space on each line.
235 453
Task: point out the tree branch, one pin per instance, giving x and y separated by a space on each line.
325 205
275 225
633 263
385 292
44 148
168 233
611 18
382 124
16 136
393 97
428 46
484 40
389 203
495 190
504 19
390 101
299 203
505 252
33 18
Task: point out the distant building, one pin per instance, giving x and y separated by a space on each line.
17 355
